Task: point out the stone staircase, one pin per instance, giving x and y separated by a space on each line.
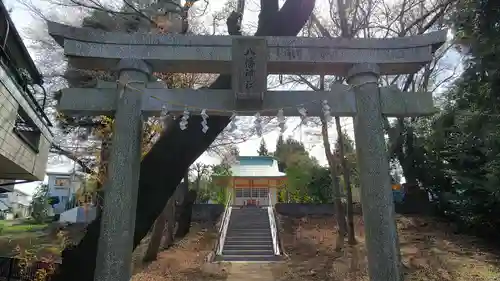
248 236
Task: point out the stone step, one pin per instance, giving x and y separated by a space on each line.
242 226
261 239
247 221
256 217
260 246
253 229
245 252
249 231
264 258
248 241
239 239
250 246
249 212
249 225
246 236
238 235
254 211
250 218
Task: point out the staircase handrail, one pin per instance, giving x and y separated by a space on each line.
224 225
272 222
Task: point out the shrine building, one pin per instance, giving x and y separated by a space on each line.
255 180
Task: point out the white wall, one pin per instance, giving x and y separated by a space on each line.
274 195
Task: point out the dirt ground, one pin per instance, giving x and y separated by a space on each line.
185 261
430 251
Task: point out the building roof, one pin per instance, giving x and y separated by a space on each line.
256 166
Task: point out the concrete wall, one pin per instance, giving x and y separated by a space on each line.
306 209
17 159
207 212
411 205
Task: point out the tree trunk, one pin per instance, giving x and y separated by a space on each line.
177 149
183 221
166 217
171 221
157 235
347 182
339 209
186 211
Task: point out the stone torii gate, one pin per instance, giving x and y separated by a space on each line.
249 60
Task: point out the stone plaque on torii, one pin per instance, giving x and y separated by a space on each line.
249 60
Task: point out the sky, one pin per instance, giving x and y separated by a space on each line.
23 19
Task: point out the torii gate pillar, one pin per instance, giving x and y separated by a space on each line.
376 197
114 258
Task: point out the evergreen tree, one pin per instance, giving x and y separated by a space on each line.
263 148
279 145
457 153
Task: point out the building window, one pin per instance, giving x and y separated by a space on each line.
62 182
246 192
263 192
239 192
27 130
255 192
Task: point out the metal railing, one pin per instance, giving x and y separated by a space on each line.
224 225
272 223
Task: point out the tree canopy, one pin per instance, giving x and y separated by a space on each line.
262 151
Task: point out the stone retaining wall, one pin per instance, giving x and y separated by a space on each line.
207 212
310 209
212 212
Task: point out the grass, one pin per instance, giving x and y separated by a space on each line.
37 239
7 228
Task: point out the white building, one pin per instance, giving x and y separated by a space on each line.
254 180
64 186
15 204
